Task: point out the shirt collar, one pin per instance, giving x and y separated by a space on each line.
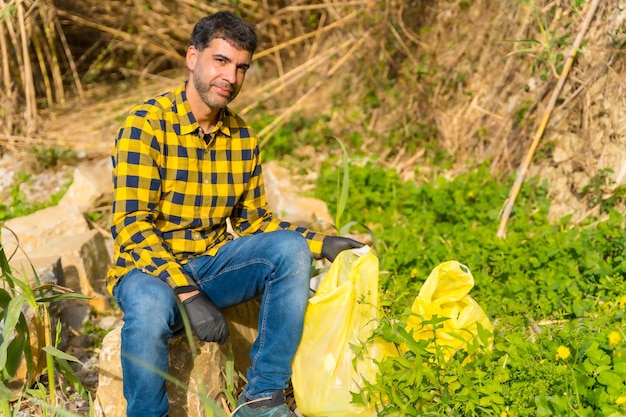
188 123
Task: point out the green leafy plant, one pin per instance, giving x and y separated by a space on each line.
547 286
52 156
15 348
603 192
547 51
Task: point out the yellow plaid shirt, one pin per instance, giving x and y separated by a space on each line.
175 186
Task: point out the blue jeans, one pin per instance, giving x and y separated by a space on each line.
275 264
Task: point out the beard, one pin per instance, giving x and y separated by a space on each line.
209 97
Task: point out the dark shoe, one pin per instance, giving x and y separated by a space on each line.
266 407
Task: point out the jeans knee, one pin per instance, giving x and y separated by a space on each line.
292 245
146 301
292 258
155 308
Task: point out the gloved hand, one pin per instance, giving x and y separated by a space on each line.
332 245
206 319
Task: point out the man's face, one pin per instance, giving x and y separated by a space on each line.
217 72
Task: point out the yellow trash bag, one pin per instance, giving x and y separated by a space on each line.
343 312
446 294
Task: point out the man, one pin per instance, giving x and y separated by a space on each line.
184 164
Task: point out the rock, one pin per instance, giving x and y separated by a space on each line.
85 262
285 203
108 323
74 316
205 370
92 186
38 270
39 228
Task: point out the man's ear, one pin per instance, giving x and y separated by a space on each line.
191 57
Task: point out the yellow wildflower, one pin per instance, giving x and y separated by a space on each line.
614 338
620 400
503 414
622 301
562 352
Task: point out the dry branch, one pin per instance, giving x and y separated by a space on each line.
306 36
521 173
133 39
30 114
70 58
278 85
336 4
270 130
7 93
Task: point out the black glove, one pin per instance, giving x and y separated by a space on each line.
332 245
206 319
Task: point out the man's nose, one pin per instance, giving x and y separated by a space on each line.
230 74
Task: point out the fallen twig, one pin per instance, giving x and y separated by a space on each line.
521 172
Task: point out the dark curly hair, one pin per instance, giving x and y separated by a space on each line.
227 26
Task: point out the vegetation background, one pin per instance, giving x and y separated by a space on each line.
421 86
441 105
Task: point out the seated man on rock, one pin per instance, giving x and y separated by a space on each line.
183 165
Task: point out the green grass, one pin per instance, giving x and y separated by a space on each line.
548 287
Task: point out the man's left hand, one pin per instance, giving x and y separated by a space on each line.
332 245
